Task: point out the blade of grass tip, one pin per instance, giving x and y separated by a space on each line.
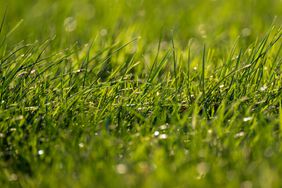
203 82
210 91
106 62
127 66
229 61
188 72
86 64
262 53
15 28
3 20
236 68
39 74
4 59
2 26
174 62
112 50
156 59
253 59
31 66
203 71
274 64
158 69
260 74
149 79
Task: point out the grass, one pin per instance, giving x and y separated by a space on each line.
140 94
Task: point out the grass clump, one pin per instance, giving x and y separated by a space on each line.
195 101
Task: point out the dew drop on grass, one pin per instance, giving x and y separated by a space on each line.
81 145
202 169
263 88
164 127
18 118
13 129
141 108
245 119
103 32
163 136
240 134
121 169
40 152
156 133
22 74
31 108
33 71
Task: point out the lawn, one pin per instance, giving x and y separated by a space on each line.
141 93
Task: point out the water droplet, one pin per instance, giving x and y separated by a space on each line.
202 30
18 118
156 133
103 32
40 152
246 32
81 145
22 74
163 136
202 169
240 134
13 129
70 24
13 177
78 71
31 108
121 169
245 119
141 108
130 105
164 127
263 88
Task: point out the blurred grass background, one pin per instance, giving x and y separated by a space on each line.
214 21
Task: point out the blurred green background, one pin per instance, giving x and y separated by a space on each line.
218 21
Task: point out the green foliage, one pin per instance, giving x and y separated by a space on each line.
118 93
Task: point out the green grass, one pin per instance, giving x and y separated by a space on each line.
141 94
